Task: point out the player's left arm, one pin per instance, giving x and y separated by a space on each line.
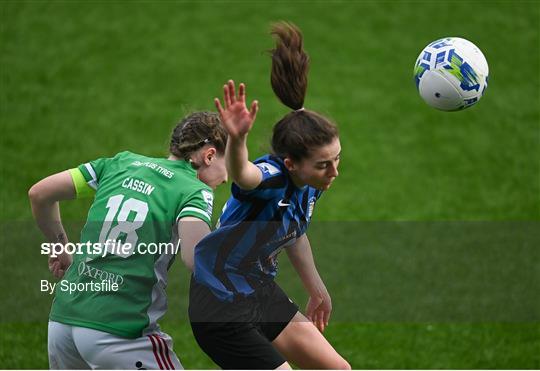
191 230
44 198
319 304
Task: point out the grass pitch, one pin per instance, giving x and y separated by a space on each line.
81 80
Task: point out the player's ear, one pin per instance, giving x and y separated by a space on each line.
289 164
209 155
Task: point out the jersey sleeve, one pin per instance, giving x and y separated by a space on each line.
199 204
272 184
92 171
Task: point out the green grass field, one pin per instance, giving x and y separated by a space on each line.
428 241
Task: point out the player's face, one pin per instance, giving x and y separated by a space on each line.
215 173
319 169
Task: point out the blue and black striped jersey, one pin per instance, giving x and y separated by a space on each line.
241 254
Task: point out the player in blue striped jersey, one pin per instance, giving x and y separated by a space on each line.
240 317
254 227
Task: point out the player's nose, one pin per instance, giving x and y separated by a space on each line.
332 171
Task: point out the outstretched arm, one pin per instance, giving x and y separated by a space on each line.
44 197
319 304
238 121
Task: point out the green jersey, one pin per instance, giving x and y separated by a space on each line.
130 237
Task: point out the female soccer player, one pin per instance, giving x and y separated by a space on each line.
140 202
240 317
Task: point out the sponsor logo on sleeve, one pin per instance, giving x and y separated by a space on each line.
209 199
268 168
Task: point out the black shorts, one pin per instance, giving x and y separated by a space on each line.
239 335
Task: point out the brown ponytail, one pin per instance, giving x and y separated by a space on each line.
301 130
290 65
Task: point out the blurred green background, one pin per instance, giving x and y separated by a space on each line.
82 80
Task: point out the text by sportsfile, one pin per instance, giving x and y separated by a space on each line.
71 287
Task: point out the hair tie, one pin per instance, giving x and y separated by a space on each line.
299 109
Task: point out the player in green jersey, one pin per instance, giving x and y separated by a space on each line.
112 289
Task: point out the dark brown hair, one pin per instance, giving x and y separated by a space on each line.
301 130
196 130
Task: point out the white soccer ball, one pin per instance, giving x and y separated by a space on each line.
451 74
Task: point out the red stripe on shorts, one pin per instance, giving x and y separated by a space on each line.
161 352
167 352
155 352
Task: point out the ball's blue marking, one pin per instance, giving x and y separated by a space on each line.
467 75
420 69
441 43
439 58
470 78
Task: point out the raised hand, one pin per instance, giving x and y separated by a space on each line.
235 117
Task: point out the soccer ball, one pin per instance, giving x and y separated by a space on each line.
451 74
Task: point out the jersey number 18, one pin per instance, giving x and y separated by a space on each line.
121 211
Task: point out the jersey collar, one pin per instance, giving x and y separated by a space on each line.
184 165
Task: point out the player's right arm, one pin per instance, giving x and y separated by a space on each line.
191 230
44 198
194 221
238 121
